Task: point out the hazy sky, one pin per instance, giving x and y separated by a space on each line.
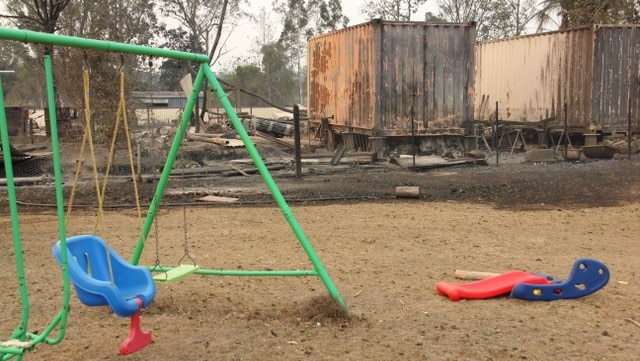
242 39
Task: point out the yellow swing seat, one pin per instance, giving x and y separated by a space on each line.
176 274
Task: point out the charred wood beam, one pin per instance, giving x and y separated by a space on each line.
274 139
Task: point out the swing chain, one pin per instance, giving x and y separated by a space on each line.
186 243
155 228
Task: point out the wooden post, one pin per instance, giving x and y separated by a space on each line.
139 161
217 141
473 275
377 145
495 137
566 130
413 139
407 192
629 130
296 140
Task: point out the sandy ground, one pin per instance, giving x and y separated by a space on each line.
385 258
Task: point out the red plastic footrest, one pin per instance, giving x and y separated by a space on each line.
137 339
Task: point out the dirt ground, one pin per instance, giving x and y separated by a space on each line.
385 256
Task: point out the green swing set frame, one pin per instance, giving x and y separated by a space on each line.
20 341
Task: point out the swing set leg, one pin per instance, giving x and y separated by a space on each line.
137 339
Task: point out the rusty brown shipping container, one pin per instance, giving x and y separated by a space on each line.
369 77
593 70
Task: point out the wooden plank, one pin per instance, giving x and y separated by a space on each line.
217 141
238 169
407 192
348 159
338 155
273 139
210 198
473 275
254 170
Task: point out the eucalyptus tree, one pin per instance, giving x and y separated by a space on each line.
303 19
208 24
494 19
172 71
564 14
129 21
16 69
279 78
38 15
398 10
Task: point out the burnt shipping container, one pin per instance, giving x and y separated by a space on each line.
593 70
385 78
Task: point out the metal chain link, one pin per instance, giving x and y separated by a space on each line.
155 227
186 243
157 265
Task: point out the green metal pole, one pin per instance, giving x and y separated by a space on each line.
273 187
57 171
60 319
20 331
27 36
251 273
166 171
11 352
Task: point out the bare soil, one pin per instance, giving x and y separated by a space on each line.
384 254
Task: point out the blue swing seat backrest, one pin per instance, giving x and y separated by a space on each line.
90 274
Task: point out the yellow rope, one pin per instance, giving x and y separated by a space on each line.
87 138
128 135
121 110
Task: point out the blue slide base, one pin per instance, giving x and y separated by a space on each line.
587 276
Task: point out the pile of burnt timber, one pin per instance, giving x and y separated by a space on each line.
340 156
16 155
273 127
233 168
215 139
273 139
247 168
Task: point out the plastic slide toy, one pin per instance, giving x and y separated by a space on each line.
586 277
490 287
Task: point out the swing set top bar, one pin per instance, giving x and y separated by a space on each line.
28 36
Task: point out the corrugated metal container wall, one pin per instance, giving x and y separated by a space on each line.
369 76
429 67
530 76
594 70
616 79
576 71
342 70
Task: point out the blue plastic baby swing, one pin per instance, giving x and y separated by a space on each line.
102 278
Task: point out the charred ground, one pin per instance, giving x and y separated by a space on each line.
511 184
